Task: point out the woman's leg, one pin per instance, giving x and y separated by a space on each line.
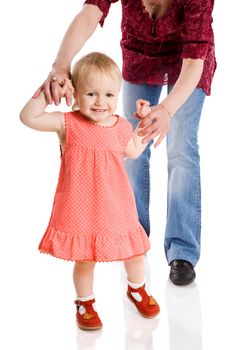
83 276
182 236
139 169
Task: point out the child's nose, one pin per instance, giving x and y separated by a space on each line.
99 101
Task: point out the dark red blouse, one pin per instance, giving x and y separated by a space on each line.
153 49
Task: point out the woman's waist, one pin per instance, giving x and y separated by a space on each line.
157 49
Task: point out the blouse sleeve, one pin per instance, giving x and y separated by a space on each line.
197 33
104 6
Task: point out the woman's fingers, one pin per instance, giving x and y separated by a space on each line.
68 91
47 92
155 124
147 120
61 86
153 130
160 139
54 90
151 136
57 85
65 90
68 98
151 127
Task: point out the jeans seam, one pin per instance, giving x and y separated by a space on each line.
147 197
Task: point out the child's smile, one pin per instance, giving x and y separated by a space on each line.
97 98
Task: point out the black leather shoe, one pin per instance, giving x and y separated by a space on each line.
182 272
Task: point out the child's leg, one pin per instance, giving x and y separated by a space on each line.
135 269
83 276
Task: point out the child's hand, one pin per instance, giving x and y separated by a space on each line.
142 108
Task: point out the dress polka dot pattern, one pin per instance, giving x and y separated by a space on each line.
94 216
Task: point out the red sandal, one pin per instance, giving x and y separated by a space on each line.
146 305
87 318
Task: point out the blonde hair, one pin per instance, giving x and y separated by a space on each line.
91 63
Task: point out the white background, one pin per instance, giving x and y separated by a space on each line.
36 303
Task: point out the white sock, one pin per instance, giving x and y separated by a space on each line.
136 285
88 297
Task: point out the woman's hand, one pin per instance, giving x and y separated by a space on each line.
57 85
156 122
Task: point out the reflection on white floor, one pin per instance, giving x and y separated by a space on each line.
138 331
87 341
184 317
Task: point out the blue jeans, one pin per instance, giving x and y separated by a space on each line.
182 234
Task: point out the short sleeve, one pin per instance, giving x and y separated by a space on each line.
197 33
125 131
104 6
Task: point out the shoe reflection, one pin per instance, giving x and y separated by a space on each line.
138 331
86 340
184 317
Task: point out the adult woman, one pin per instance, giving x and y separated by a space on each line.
163 42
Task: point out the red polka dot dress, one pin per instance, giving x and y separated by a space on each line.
94 216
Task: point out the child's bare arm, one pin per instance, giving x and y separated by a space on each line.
135 145
34 116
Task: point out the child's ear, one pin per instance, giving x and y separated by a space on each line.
75 106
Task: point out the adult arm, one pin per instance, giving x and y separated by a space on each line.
79 31
197 39
186 83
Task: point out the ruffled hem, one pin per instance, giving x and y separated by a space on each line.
86 260
75 247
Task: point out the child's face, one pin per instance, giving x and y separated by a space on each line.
97 96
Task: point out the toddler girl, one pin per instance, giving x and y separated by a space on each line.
94 217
